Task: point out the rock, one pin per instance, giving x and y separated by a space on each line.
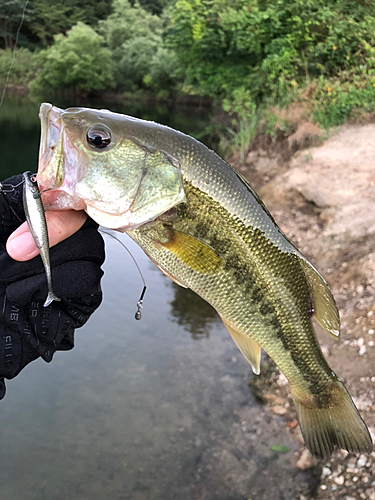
266 165
325 350
339 480
326 471
282 380
362 350
279 410
306 460
361 462
348 200
199 491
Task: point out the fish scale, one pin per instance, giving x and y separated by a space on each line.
244 310
202 224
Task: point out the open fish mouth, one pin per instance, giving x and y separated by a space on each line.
51 127
58 159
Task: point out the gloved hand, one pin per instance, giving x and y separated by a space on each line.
27 329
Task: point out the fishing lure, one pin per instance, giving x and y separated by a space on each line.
36 220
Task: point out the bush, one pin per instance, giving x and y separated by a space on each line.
335 102
136 54
21 67
75 61
264 46
127 22
140 58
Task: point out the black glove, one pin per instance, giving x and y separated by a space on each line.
27 329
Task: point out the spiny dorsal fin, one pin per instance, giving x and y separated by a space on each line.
249 348
325 309
193 252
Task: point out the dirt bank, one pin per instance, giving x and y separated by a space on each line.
323 198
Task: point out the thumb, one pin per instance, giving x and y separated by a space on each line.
61 224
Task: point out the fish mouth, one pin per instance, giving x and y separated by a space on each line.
58 161
50 169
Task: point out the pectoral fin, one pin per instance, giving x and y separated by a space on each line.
194 253
249 348
325 309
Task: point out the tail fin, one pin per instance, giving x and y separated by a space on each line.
339 424
50 298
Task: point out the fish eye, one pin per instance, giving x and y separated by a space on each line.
99 137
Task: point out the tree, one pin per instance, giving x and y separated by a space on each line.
127 22
266 46
76 61
55 16
154 6
135 37
10 18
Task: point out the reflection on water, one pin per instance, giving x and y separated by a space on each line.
136 411
192 312
19 137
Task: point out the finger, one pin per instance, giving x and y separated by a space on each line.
60 224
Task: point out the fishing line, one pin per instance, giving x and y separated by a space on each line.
14 52
138 314
12 188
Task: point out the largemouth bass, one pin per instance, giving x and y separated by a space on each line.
36 220
202 224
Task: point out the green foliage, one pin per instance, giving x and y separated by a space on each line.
128 22
133 66
52 17
280 448
164 69
244 126
267 46
336 102
10 18
249 55
76 61
140 58
154 6
23 67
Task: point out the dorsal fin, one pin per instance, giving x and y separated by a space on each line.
325 309
249 348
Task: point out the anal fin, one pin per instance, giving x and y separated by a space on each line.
249 348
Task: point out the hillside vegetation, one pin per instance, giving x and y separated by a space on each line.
253 57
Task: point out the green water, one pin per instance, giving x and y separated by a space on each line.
157 409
